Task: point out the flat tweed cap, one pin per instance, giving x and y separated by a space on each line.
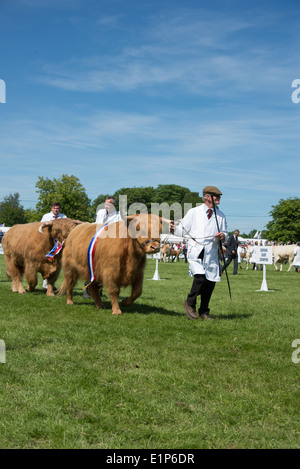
211 190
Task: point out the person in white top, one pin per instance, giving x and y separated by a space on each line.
199 227
296 261
53 215
109 214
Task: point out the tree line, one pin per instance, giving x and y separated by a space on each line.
68 190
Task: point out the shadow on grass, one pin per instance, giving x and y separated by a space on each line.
134 308
234 316
146 309
137 308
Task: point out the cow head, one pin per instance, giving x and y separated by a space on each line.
146 229
60 228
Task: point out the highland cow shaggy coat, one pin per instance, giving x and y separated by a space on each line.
25 248
119 258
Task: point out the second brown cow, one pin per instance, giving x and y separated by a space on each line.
26 247
116 259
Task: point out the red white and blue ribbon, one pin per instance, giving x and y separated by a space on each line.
91 252
55 250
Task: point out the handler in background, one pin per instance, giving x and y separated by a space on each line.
53 215
200 228
109 214
231 252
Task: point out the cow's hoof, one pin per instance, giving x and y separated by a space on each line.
117 313
126 302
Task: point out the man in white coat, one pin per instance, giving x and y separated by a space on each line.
109 213
199 226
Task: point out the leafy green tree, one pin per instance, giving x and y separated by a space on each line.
243 235
143 195
264 234
99 200
164 193
69 192
32 215
285 225
175 196
251 234
193 198
171 193
11 212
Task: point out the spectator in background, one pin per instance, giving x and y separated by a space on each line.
296 261
108 214
53 215
184 250
231 252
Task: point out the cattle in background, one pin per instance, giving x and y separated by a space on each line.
282 254
117 260
242 254
25 248
166 252
249 252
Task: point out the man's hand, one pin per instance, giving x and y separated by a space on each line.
220 235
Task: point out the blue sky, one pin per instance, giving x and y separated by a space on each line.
125 93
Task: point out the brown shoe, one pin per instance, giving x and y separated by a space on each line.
206 316
190 311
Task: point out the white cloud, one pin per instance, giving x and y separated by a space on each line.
196 55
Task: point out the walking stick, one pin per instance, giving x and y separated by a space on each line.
220 245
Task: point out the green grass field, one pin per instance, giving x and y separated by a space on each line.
77 377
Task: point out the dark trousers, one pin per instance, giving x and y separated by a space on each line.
235 259
203 287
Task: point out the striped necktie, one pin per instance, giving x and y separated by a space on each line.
209 213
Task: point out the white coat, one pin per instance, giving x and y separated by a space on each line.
296 260
104 217
200 232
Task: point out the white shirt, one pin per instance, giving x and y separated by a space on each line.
50 216
104 217
200 232
296 260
